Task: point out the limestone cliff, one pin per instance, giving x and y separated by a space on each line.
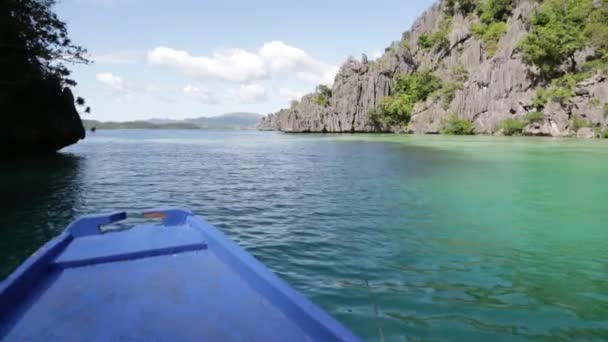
497 86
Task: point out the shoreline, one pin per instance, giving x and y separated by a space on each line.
575 136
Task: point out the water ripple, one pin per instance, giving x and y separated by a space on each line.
412 238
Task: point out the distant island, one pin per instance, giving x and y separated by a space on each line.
90 124
225 121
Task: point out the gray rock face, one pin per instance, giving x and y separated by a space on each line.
498 87
586 132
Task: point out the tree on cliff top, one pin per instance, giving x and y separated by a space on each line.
558 32
34 42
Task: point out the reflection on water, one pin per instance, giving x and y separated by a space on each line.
424 238
38 199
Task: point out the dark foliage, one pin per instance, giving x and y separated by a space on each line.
34 43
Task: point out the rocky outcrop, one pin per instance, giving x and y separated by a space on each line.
358 88
39 117
498 87
37 113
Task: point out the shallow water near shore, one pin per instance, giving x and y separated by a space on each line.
398 237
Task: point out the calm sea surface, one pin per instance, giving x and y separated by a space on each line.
398 237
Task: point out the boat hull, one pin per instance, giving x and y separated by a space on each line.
181 280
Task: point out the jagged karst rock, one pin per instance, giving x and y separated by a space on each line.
586 133
498 87
268 123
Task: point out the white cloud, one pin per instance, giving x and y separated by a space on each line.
234 65
281 56
323 77
154 87
290 95
117 57
241 66
112 81
377 54
118 86
199 94
251 93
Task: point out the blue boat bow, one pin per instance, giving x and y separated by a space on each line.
182 280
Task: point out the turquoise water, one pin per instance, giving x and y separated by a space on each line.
399 237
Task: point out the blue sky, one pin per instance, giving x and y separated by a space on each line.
188 58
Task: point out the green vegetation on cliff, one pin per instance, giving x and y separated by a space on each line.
408 90
463 6
540 98
561 28
561 89
448 93
493 15
397 108
322 95
534 117
490 35
458 76
516 126
455 125
438 39
511 126
494 10
577 122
